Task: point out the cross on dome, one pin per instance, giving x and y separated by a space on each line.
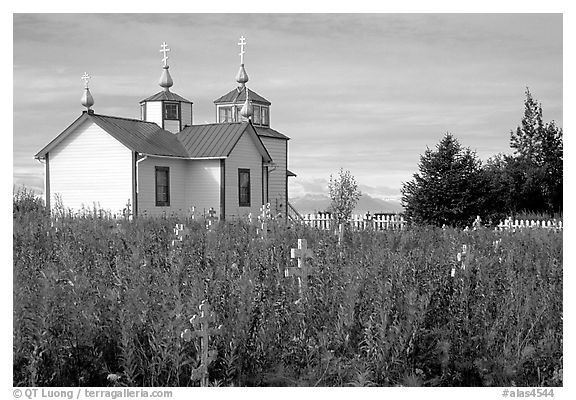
164 49
87 99
242 76
242 43
86 79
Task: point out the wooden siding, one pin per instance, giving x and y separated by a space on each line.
172 125
147 189
203 185
193 183
154 112
90 166
277 178
245 155
186 109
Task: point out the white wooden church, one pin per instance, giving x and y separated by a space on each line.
164 164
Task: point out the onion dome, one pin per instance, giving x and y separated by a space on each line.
242 76
165 79
247 110
87 99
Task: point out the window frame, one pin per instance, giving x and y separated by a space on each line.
257 120
165 111
249 195
224 109
267 122
162 203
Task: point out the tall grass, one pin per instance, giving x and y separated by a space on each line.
95 296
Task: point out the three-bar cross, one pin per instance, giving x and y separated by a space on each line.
201 324
242 43
86 79
164 49
303 270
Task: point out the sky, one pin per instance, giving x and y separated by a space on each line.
364 92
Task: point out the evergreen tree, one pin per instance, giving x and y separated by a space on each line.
449 189
538 160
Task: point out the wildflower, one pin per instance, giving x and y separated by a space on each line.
453 272
186 335
113 377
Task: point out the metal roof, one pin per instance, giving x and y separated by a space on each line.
166 95
197 141
141 136
269 132
238 95
218 140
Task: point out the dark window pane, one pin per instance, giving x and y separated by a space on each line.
162 186
256 115
170 111
244 187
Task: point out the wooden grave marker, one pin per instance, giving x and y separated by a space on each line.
201 328
180 231
303 270
262 229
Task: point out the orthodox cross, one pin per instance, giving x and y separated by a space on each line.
303 270
164 49
180 231
86 79
242 43
201 325
262 230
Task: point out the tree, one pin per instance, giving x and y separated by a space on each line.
538 156
344 195
448 189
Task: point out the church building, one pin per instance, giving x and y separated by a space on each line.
164 164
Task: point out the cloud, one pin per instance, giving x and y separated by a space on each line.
368 92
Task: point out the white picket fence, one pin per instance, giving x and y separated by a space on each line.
378 222
509 223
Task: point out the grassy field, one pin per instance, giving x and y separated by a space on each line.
94 297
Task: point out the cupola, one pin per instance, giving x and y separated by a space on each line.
167 109
229 108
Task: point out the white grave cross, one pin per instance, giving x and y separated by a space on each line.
303 270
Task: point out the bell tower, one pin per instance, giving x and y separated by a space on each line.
167 109
229 107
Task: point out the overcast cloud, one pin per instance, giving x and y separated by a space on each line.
366 92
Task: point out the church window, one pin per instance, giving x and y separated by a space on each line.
224 114
162 186
256 115
244 187
171 111
265 117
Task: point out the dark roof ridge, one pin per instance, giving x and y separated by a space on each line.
213 123
124 118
